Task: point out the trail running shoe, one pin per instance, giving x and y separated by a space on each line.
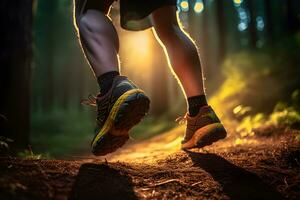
203 129
122 107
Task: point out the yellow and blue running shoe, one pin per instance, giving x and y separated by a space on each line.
121 108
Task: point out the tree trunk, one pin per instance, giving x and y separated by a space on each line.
205 41
292 16
15 62
252 24
46 27
222 30
269 24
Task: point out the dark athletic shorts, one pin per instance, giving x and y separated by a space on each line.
134 13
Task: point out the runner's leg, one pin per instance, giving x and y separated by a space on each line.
98 36
180 50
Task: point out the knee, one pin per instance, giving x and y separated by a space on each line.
167 33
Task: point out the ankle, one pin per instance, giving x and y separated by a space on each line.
195 103
105 81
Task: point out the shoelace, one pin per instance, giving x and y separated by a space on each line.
182 119
90 101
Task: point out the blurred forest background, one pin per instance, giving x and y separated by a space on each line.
250 51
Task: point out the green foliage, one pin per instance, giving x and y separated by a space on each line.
249 123
260 79
286 117
283 116
61 132
61 121
28 154
262 89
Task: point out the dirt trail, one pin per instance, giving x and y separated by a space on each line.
261 168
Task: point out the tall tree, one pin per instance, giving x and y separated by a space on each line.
222 29
46 29
15 62
252 24
292 16
268 19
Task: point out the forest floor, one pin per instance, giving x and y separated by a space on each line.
252 168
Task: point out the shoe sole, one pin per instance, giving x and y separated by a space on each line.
206 136
127 111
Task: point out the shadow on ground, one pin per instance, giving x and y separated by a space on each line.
268 169
100 181
237 183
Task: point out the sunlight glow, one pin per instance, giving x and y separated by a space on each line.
199 7
138 50
143 42
239 141
151 150
175 144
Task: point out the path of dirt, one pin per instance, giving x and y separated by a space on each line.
261 168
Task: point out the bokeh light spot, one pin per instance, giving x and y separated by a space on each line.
184 5
199 7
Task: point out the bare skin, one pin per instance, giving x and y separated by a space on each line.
99 40
180 50
100 43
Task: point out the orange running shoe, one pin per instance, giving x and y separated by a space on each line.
203 129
